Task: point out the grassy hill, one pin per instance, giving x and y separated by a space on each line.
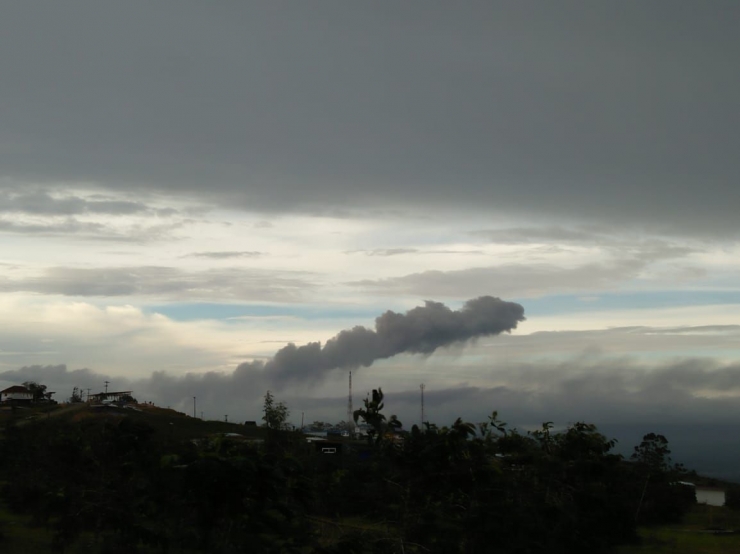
24 533
705 530
143 479
168 423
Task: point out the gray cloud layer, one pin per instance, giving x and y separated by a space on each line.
528 278
222 255
71 227
385 252
610 113
167 282
42 203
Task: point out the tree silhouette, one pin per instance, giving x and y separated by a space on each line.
38 390
275 413
371 414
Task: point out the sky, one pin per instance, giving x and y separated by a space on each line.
187 188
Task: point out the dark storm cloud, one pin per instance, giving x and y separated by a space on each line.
421 330
164 282
621 112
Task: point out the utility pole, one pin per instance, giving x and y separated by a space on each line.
226 418
301 420
350 411
88 395
422 405
106 387
193 406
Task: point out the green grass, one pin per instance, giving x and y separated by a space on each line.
19 536
172 425
168 424
691 537
35 411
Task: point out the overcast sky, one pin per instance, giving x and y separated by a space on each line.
188 187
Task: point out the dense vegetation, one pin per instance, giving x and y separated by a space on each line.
121 483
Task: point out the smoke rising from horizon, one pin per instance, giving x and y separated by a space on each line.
421 330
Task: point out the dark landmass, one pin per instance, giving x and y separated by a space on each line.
142 479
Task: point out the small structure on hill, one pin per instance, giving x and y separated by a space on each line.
17 394
23 394
106 397
328 447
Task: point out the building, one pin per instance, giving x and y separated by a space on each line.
16 395
108 397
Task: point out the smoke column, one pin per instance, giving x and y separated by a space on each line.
420 330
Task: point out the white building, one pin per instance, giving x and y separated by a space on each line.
16 393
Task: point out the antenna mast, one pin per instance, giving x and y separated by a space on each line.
422 404
350 411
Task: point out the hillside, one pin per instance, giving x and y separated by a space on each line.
150 480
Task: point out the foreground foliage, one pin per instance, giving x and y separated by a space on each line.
692 536
117 484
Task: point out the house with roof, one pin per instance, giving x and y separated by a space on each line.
110 397
16 394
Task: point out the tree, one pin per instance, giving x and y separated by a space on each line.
732 497
76 395
38 390
653 452
371 414
661 499
275 414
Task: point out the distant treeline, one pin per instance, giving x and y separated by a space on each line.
120 485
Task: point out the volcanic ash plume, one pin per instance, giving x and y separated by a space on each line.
420 330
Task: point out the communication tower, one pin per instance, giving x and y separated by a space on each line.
350 411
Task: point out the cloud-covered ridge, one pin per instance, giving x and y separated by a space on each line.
693 401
